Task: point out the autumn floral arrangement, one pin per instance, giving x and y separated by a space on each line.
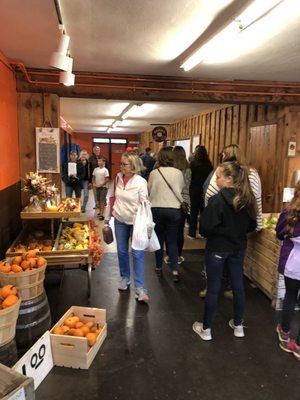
40 189
95 247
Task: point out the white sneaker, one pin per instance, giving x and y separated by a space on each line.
205 334
180 259
141 295
124 284
238 330
167 260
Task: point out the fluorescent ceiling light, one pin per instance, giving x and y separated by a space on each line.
235 40
130 111
105 121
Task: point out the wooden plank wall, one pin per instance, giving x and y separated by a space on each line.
33 110
231 124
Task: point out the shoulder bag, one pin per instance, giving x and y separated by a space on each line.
184 207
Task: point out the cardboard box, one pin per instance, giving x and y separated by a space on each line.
74 352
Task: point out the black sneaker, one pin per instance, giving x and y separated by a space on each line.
101 218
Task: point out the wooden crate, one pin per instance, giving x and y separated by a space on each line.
74 252
74 352
12 383
261 261
26 214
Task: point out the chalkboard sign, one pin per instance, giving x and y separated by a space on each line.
47 150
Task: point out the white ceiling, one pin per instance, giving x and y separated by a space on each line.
143 37
92 115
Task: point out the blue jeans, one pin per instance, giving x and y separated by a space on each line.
167 222
215 263
123 233
70 189
85 185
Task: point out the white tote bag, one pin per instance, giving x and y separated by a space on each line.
144 236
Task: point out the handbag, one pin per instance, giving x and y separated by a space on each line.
184 207
108 236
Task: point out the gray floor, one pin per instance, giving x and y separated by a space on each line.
152 352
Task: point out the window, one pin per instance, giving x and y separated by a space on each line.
100 140
118 141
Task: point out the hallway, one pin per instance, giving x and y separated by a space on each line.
152 352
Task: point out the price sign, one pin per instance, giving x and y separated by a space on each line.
38 361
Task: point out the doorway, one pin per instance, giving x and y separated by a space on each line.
112 150
262 156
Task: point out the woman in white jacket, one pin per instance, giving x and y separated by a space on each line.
130 191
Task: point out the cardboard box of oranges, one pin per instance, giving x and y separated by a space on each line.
77 337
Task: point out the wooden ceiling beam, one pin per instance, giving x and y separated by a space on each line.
159 88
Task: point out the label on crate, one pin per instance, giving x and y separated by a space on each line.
38 361
19 395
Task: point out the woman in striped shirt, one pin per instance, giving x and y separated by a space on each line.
234 153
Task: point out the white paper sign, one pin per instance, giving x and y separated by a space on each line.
19 395
72 169
38 361
288 194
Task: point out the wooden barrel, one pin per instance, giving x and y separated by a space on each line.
8 354
34 320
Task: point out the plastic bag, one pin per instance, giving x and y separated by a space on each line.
153 242
143 227
292 266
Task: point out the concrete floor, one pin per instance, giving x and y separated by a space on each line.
152 353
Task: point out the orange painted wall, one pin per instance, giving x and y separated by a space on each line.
9 144
85 140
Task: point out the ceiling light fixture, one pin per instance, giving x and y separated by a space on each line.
67 78
59 58
130 111
109 129
256 11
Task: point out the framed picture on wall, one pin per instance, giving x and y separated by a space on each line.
47 150
196 140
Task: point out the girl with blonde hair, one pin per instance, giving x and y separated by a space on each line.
225 222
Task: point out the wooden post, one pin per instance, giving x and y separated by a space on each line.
33 110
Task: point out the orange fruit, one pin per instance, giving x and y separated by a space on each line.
85 329
17 260
8 290
10 301
78 333
58 330
93 329
89 324
25 265
5 267
32 262
98 331
79 325
71 322
16 268
40 262
91 338
30 254
65 329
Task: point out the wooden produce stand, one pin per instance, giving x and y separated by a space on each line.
261 262
57 257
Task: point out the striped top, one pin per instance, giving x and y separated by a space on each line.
255 184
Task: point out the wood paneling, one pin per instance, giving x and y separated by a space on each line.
34 110
232 123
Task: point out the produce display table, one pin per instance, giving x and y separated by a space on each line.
56 256
261 262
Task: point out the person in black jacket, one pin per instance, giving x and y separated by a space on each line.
72 175
201 167
87 179
225 222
